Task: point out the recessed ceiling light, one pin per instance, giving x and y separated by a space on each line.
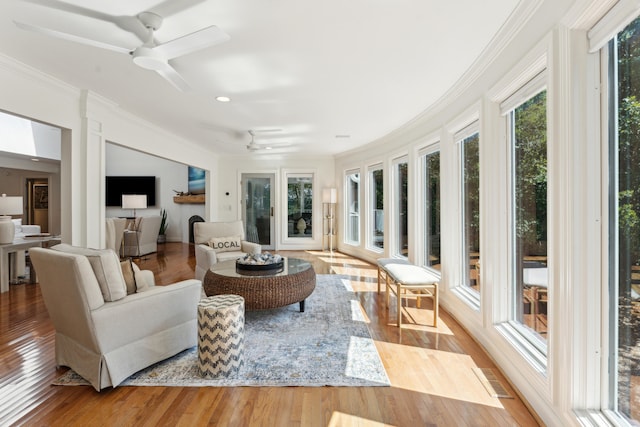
35 160
223 99
343 136
268 148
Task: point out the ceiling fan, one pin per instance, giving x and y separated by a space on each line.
150 55
255 146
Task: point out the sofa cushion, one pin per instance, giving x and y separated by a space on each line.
141 283
204 231
129 276
225 244
106 266
133 277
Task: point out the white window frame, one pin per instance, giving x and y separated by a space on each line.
347 212
316 230
468 295
621 15
533 87
370 198
394 240
423 247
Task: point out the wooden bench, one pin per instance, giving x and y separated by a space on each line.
406 280
383 263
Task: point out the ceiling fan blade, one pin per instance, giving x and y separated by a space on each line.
191 42
71 8
171 75
70 37
273 144
128 23
172 7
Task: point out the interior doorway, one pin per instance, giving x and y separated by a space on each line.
38 203
257 208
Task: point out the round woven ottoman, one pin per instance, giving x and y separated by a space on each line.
293 285
220 335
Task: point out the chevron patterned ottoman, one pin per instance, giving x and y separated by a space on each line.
220 335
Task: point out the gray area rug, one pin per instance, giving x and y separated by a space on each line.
327 345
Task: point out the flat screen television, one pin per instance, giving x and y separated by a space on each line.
116 186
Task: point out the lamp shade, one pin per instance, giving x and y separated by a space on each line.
329 195
10 205
134 201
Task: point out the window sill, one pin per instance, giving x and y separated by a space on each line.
471 298
522 341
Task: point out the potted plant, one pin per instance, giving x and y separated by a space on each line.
164 224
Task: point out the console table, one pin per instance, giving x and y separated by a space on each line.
17 246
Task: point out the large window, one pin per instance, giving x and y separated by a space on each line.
299 205
352 208
401 196
624 223
376 208
470 157
528 146
431 197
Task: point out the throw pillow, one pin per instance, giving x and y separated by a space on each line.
129 276
141 283
106 266
225 244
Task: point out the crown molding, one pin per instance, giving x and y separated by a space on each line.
14 66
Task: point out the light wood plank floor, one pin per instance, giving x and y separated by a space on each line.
432 382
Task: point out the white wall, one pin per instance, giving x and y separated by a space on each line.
87 121
227 179
122 161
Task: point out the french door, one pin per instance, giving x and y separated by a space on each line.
257 208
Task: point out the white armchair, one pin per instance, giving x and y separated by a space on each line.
207 256
143 240
114 228
105 331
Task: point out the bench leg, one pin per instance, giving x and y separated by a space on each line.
387 286
399 302
435 306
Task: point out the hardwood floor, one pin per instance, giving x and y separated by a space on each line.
431 371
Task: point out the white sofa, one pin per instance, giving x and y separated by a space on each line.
104 332
146 241
207 256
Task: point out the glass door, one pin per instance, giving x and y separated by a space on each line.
38 203
257 209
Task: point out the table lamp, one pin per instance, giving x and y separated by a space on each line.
9 205
134 201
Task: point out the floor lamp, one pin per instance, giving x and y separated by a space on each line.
9 205
329 200
134 201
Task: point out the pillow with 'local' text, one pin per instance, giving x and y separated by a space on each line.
225 244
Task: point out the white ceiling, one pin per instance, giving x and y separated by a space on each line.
317 71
